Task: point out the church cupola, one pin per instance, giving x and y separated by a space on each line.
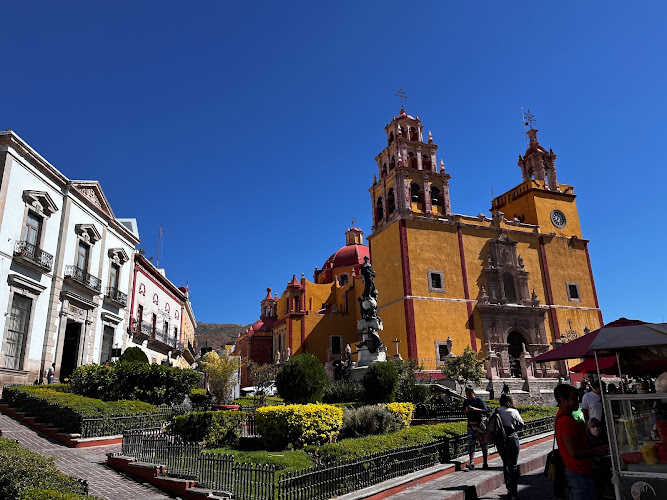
268 306
354 236
537 163
409 183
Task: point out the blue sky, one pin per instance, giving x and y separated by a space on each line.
248 130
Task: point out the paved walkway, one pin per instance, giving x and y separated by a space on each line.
84 463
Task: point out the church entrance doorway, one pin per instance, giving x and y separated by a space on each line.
516 346
70 349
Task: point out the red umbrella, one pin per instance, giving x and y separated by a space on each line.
607 366
580 347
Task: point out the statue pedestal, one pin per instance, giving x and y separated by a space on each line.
366 358
357 373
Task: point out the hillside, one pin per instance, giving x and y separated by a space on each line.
217 334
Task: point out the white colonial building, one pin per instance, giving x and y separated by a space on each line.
157 308
66 268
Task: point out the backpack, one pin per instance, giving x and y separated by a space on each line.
495 432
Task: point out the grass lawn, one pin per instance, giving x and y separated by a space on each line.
283 460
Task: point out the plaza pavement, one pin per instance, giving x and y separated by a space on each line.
83 463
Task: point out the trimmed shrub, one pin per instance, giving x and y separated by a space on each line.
369 420
66 411
134 355
201 399
298 425
404 411
60 387
252 401
343 391
302 379
213 428
380 382
154 384
21 470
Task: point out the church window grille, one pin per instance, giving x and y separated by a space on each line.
573 292
343 279
436 281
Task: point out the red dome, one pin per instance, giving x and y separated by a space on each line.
347 256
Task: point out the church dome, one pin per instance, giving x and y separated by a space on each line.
347 256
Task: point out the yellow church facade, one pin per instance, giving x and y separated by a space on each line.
508 285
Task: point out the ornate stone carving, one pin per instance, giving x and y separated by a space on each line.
91 195
88 232
40 201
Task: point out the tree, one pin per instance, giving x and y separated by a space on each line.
465 368
302 379
134 355
260 376
380 381
220 373
409 389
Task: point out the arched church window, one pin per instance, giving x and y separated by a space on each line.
413 134
391 138
414 193
426 162
379 210
435 196
391 202
384 170
510 292
392 163
412 161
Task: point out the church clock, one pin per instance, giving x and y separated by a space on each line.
558 219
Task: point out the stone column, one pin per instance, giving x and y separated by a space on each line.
419 159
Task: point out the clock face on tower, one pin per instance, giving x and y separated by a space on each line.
558 219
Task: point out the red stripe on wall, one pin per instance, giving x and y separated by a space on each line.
289 334
550 297
411 334
595 293
466 293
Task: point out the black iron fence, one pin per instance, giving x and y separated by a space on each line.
438 412
113 426
254 481
85 278
33 253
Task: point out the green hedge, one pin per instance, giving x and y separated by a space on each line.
420 434
213 428
45 494
343 391
23 470
68 411
155 384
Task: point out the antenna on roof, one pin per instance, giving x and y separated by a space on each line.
159 244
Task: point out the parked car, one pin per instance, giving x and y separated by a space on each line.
268 389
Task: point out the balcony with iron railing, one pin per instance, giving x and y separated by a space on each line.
115 297
83 280
161 341
33 257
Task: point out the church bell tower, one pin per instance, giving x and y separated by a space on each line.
408 183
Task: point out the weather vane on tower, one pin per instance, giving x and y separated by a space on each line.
401 95
354 220
528 118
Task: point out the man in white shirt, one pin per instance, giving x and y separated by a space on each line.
591 403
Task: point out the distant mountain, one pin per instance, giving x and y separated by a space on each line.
217 334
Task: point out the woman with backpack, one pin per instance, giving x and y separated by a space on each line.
509 448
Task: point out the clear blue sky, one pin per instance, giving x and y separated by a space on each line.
248 130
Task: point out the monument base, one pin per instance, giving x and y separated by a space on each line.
367 358
357 373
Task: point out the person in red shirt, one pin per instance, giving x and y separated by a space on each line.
573 445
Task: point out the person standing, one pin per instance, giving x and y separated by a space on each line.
50 373
573 446
475 409
509 450
591 403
